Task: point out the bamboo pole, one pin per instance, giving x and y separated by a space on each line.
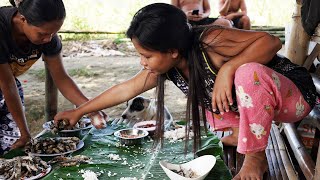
297 47
304 160
275 163
89 32
271 171
277 149
51 97
290 173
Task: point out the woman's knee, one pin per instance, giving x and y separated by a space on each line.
248 70
245 19
248 67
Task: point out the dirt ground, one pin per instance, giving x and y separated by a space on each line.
110 70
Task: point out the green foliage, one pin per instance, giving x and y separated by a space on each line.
39 74
80 72
84 72
120 40
98 145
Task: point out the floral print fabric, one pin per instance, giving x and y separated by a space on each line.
263 95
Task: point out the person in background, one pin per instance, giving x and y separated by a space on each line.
198 12
232 78
28 31
236 11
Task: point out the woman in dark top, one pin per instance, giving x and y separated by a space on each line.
27 32
232 77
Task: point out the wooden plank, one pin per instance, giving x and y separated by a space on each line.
310 59
51 97
268 28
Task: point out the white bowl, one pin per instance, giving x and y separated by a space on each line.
140 125
200 166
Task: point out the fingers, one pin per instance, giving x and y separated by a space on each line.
57 118
214 105
237 177
65 116
221 101
20 143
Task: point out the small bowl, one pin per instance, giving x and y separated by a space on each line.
201 166
131 136
149 126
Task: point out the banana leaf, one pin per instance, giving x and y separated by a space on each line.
139 161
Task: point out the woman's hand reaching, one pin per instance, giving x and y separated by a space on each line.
71 115
222 90
21 142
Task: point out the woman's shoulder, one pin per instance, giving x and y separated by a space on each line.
6 14
211 34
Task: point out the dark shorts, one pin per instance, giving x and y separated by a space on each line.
236 22
9 132
205 21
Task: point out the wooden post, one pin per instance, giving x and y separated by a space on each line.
297 47
51 96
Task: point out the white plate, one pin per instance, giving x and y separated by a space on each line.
142 123
79 146
201 166
47 125
42 174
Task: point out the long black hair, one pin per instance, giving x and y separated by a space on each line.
38 12
163 27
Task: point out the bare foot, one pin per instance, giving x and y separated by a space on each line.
254 166
232 139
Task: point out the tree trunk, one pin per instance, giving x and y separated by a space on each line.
297 47
51 96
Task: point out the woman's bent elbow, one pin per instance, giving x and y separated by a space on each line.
278 43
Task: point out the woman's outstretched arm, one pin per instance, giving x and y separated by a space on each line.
115 95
